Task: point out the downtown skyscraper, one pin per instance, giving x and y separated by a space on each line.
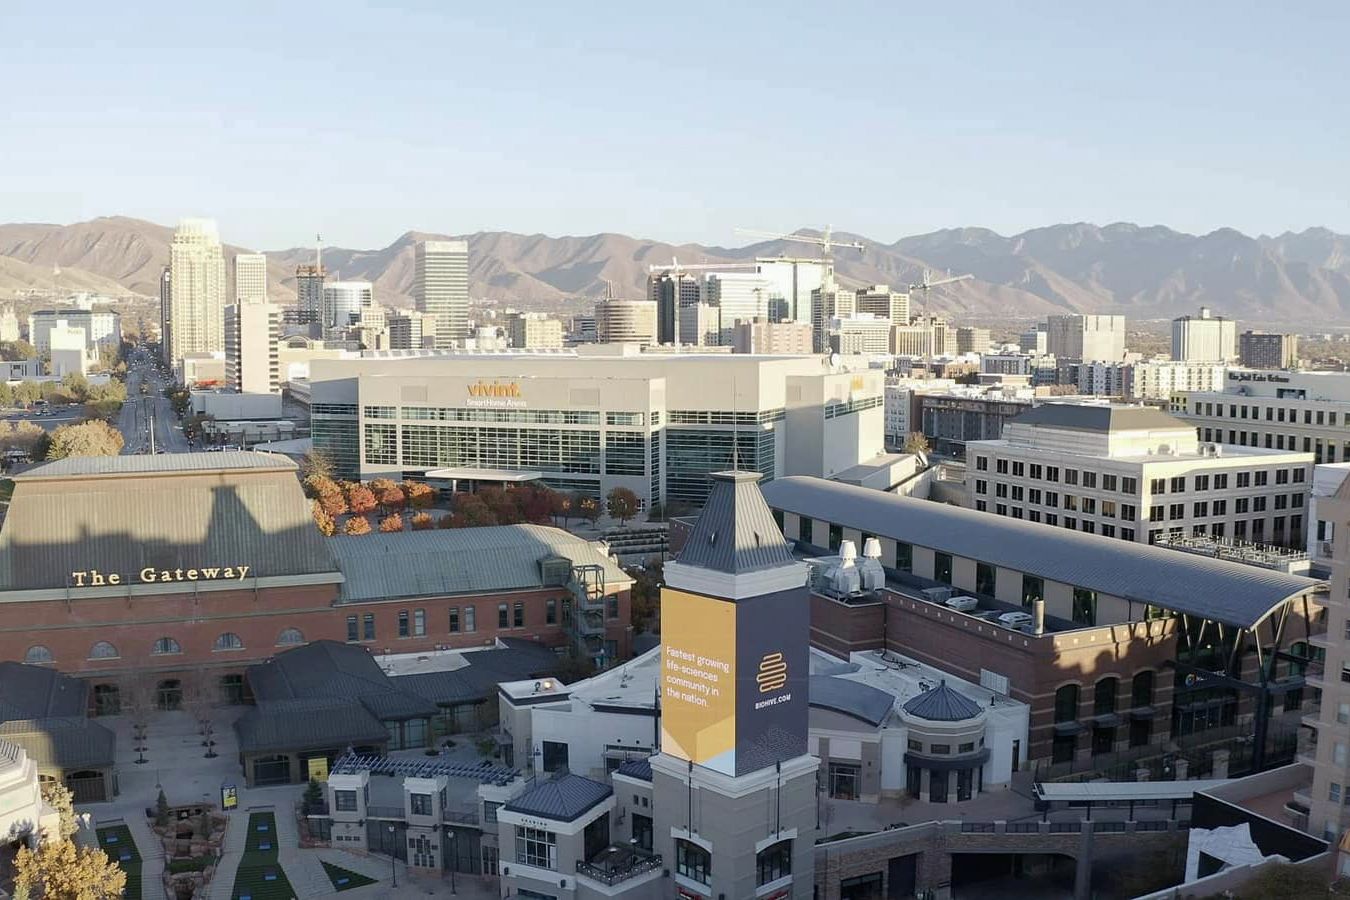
193 308
441 288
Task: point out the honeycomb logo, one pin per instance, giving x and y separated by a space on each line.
772 673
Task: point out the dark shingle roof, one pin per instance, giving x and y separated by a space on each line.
852 698
563 799
942 704
1083 417
37 692
63 742
641 769
316 723
735 532
1214 589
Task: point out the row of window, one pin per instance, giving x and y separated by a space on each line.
165 646
1324 452
464 619
1242 505
1052 499
1256 534
1125 484
1273 414
1104 696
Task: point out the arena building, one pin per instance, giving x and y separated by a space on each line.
152 570
594 419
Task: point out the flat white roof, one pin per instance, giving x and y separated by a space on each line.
471 474
1105 791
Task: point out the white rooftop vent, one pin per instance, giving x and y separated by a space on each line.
872 548
848 554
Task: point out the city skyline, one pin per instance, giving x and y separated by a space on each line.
997 119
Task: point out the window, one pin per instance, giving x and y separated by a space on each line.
551 611
1338 754
1084 606
454 619
229 641
1108 509
1202 482
1129 485
692 861
37 655
352 633
536 847
942 567
503 616
843 781
1219 507
1334 792
1244 479
1108 482
984 578
1033 589
1262 478
419 623
1001 466
1141 690
773 862
470 616
1052 473
916 746
1089 479
1019 470
1157 486
402 623
981 486
105 650
1221 482
1104 697
612 606
1070 476
1000 490
368 624
904 557
291 636
1178 484
1343 713
518 615
1035 472
490 812
1034 496
554 756
419 804
940 749
642 832
1200 510
165 646
982 464
1176 511
1127 512
1155 513
1066 703
344 801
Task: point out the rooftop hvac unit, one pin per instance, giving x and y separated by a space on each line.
871 574
938 594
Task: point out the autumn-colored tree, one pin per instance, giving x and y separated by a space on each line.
391 498
422 521
316 462
322 520
622 504
588 508
563 506
536 503
94 438
333 503
58 797
317 485
59 870
26 437
17 351
360 499
503 504
379 485
420 495
471 512
356 525
391 523
915 442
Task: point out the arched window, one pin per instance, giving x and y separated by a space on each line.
165 646
1066 703
1104 697
1141 690
229 641
38 654
290 636
103 650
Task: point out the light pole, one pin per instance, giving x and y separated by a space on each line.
393 859
454 860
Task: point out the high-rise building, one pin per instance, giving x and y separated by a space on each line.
879 300
772 338
308 294
671 293
861 333
1086 338
67 350
581 330
741 297
1266 350
9 325
408 329
252 333
1205 338
792 281
701 325
534 331
166 313
972 340
343 302
102 330
829 301
1034 341
250 278
441 288
912 340
625 321
196 321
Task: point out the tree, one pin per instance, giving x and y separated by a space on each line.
322 520
588 507
422 521
622 504
504 505
59 870
645 597
536 504
471 512
562 506
446 521
391 498
317 485
333 503
915 442
420 495
26 437
391 523
316 462
360 499
356 525
17 351
94 438
161 809
58 797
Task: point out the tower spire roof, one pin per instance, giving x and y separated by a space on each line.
736 533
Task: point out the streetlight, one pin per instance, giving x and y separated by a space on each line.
393 859
454 859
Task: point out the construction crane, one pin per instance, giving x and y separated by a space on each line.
928 284
676 267
825 241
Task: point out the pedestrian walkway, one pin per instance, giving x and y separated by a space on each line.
232 851
302 867
151 850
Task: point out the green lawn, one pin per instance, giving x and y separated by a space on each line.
345 879
115 840
260 876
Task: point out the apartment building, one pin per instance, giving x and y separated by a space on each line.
861 333
1136 473
879 300
534 331
1204 338
1329 750
1088 338
1267 350
1304 411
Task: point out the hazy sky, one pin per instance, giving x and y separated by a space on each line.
680 122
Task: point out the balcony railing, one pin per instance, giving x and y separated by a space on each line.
460 816
618 864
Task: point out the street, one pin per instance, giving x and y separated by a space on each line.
133 421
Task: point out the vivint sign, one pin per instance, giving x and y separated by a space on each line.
494 394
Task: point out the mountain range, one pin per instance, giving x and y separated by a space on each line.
1142 272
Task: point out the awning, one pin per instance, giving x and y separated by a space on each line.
948 763
1106 720
1143 712
472 474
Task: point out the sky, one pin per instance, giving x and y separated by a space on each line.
680 122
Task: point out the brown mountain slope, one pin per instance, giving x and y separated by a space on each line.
16 276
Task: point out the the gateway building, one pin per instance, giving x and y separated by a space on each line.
595 419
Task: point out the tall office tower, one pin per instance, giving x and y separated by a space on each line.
166 313
309 292
792 282
9 325
701 325
1033 341
533 331
197 290
829 301
250 278
861 333
1264 350
625 322
972 340
671 293
408 329
252 335
880 301
1205 338
441 288
739 296
944 336
734 715
1086 338
342 304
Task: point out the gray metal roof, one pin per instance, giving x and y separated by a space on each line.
518 660
1223 591
308 724
942 704
122 514
1083 417
735 532
641 769
564 799
459 561
852 698
329 669
63 742
39 692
